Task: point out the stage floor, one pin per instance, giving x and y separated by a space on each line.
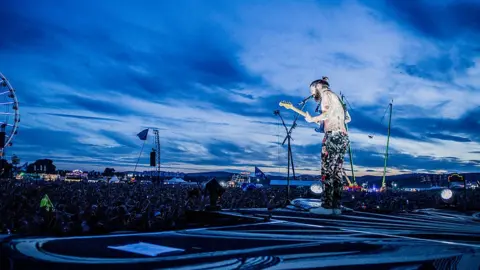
289 240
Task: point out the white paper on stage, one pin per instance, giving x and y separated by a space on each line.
145 249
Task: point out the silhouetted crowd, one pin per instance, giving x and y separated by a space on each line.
98 208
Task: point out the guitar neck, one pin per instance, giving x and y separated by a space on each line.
299 111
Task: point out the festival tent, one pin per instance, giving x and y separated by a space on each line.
114 179
174 181
177 180
292 183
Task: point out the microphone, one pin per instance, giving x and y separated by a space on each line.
305 100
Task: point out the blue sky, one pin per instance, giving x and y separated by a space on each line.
90 75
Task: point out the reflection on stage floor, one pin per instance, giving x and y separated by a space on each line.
287 240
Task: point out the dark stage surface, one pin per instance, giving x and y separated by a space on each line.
427 239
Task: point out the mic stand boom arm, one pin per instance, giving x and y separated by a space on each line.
288 139
294 124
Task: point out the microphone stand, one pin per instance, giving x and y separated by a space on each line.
288 139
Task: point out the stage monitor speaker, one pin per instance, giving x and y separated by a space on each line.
2 139
153 156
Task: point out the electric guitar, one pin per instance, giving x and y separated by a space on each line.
288 105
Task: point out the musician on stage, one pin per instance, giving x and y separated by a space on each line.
334 116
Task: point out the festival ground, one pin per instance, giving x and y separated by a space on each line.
425 239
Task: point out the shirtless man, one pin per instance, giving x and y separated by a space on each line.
334 145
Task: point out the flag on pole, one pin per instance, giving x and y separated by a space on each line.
143 134
259 174
45 202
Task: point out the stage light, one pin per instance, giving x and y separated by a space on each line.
316 188
446 194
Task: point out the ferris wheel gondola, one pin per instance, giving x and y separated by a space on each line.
9 116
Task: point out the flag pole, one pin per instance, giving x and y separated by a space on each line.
142 136
139 155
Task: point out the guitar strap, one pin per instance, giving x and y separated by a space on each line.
344 105
319 129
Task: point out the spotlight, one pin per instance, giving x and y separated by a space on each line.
446 194
316 188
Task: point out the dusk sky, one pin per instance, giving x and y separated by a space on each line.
90 75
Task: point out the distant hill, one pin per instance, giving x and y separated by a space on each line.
210 174
300 177
403 180
415 180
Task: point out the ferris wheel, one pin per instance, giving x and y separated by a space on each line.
9 116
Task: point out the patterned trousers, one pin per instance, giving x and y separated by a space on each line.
334 147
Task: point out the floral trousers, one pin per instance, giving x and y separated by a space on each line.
334 147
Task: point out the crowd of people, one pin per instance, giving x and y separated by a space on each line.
95 208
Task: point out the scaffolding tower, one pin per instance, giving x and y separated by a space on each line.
157 152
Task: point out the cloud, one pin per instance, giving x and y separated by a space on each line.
449 137
422 17
90 76
82 117
95 105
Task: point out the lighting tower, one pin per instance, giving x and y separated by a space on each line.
157 150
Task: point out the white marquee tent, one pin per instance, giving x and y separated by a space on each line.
174 181
114 179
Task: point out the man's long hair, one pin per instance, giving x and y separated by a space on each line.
323 82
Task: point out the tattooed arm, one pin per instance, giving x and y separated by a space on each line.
325 107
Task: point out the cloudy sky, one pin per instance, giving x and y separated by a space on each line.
90 75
